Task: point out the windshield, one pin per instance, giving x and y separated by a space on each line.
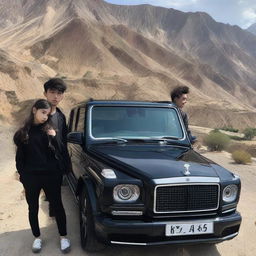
134 122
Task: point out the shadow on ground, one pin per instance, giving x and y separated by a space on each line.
19 242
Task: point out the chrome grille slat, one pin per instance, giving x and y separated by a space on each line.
181 198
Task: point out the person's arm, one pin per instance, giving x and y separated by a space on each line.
65 149
64 131
190 136
20 158
53 141
185 120
59 151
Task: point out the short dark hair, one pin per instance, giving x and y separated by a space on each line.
55 84
178 91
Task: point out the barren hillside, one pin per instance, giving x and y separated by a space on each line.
252 28
108 51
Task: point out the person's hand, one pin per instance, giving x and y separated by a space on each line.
51 132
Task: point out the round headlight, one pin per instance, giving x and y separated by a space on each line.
126 193
230 193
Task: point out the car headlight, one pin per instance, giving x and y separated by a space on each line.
126 193
230 193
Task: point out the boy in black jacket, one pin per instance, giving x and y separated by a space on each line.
54 90
179 97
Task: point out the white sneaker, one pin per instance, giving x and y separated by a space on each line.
37 245
65 245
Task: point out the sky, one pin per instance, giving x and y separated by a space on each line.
233 12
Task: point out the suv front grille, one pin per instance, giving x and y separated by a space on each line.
180 198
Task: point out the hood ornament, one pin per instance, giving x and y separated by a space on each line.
186 171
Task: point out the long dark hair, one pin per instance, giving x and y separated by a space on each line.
21 135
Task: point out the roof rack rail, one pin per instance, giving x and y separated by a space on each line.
164 101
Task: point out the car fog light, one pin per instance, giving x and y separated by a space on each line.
230 193
126 213
126 193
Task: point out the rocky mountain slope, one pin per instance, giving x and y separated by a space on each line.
252 28
109 51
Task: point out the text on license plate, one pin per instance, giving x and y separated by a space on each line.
178 229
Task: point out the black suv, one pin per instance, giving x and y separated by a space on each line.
138 180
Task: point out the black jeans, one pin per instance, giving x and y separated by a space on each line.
51 184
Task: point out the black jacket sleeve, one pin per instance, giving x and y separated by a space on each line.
62 140
185 120
57 148
64 131
64 150
20 158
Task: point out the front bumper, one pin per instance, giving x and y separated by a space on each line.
135 232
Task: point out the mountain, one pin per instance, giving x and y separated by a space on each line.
252 28
108 51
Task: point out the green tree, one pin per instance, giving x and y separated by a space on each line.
249 133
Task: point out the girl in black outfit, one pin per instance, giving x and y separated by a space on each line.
39 168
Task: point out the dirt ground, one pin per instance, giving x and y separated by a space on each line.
16 237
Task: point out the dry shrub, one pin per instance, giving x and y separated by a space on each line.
251 149
216 141
241 157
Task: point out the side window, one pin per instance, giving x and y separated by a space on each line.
80 119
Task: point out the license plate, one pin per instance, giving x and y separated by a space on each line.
178 229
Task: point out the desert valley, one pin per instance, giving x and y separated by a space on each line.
106 51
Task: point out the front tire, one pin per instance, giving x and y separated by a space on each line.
89 241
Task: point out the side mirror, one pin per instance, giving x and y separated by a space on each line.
75 138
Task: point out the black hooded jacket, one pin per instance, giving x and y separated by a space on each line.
39 154
44 153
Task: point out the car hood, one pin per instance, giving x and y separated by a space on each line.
156 162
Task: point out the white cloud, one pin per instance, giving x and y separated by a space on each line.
248 17
249 14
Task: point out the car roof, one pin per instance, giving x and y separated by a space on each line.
125 103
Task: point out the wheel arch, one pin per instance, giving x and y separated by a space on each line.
87 184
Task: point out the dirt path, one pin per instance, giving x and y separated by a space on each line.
16 238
